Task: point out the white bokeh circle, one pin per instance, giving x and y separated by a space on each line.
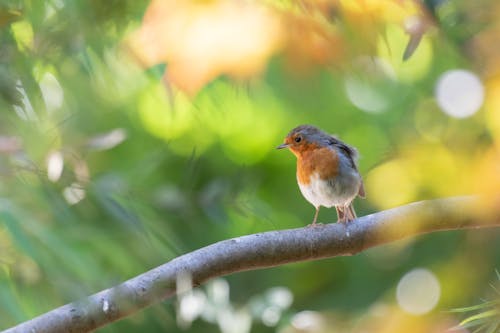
418 291
459 93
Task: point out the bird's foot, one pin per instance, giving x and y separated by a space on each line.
314 224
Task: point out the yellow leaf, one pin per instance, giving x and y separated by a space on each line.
200 40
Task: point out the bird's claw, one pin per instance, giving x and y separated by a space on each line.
312 225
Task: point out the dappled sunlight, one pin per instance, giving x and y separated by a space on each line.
213 304
412 176
168 117
390 184
23 33
244 126
132 134
201 40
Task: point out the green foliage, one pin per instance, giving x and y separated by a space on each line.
485 317
107 170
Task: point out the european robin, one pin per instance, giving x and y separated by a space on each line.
326 170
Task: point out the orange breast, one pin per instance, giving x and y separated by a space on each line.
323 161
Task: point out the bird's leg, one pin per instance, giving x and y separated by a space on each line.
351 214
315 216
340 214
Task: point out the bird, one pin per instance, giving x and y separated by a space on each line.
327 173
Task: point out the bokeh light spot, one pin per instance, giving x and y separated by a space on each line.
459 93
392 175
74 193
245 124
307 321
52 93
280 296
371 89
55 165
107 140
191 306
418 291
23 34
169 119
271 316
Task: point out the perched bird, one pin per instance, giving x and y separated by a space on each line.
326 170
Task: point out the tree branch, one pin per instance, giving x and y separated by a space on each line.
265 250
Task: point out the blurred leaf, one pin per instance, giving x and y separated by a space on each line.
144 172
17 232
120 212
483 315
488 317
8 16
203 39
7 305
476 307
8 89
108 140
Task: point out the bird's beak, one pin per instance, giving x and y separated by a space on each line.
284 145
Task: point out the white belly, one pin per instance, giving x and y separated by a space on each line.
339 191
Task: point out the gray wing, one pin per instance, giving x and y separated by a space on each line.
350 152
352 155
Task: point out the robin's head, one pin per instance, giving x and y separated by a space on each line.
303 138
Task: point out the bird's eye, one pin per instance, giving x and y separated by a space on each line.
298 139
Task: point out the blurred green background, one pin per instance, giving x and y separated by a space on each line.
134 132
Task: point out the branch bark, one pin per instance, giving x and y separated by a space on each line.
265 250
